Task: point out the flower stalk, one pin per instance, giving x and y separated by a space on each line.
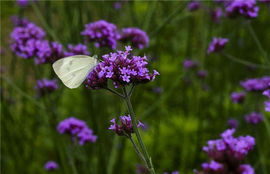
134 123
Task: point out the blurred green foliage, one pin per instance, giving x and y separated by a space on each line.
181 119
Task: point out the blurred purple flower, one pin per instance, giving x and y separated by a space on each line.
23 40
245 169
193 5
202 74
136 36
79 49
188 64
217 45
17 21
232 123
157 89
216 14
141 169
175 172
45 86
213 166
256 84
103 33
51 166
22 3
246 8
76 129
117 5
254 118
122 69
238 97
48 52
125 128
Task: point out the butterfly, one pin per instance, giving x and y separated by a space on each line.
73 70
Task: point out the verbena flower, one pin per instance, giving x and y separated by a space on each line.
17 21
51 166
175 172
226 153
77 129
217 45
267 103
22 3
23 40
246 8
216 14
238 97
254 118
246 169
122 68
103 33
193 5
45 86
48 52
232 123
202 74
256 84
136 36
126 128
189 64
79 49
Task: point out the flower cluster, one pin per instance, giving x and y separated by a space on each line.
232 123
267 103
190 64
238 97
137 37
51 166
125 128
246 8
22 3
17 21
256 84
175 172
48 52
77 129
193 5
102 33
254 118
217 45
24 38
45 86
79 49
216 14
121 68
227 153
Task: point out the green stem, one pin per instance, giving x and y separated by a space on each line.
134 124
253 34
137 149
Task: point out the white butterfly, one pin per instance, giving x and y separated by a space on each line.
73 70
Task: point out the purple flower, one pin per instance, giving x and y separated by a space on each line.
136 36
23 40
188 64
117 5
17 21
245 169
226 153
256 84
125 128
254 118
246 8
141 169
45 86
175 172
217 45
79 49
216 14
77 129
193 5
22 3
48 52
86 135
51 166
267 106
122 69
238 97
202 74
232 123
103 33
157 90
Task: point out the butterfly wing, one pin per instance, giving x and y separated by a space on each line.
74 69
